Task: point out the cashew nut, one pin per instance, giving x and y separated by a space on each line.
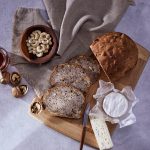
37 31
43 35
34 52
35 44
36 37
46 47
46 51
45 41
50 42
39 54
28 44
48 36
30 48
40 48
31 40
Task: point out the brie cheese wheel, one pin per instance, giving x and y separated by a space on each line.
115 104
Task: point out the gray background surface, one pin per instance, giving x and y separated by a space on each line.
18 131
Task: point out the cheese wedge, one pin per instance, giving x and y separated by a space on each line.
101 133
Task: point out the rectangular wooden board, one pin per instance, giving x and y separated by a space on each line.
73 128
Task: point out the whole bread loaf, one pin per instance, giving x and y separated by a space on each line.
116 53
64 101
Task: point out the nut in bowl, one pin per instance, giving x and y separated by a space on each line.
38 44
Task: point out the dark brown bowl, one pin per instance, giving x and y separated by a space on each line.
46 57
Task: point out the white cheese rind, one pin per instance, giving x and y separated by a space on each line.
115 104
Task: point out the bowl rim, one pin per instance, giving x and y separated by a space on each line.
52 52
6 61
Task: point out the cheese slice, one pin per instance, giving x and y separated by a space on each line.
101 133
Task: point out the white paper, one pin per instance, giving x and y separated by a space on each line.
104 89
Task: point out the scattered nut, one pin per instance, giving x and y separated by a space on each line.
5 77
16 92
19 91
15 78
24 89
37 107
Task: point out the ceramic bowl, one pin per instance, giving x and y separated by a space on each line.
33 58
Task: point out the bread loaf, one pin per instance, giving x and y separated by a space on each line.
116 53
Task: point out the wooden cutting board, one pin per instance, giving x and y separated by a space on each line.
73 128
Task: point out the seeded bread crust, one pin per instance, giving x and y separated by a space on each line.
116 53
89 63
64 101
71 74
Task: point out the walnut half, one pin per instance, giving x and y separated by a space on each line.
19 91
15 78
37 107
5 77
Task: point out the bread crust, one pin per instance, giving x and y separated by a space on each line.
117 54
61 105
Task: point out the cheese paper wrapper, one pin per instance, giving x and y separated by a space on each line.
104 89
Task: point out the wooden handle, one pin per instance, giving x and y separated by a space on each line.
82 137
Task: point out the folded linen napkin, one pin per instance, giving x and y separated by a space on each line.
76 23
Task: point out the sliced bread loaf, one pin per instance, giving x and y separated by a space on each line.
64 101
71 74
89 63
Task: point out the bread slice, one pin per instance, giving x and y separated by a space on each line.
71 74
64 101
117 54
89 63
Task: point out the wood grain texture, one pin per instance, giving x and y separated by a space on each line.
73 128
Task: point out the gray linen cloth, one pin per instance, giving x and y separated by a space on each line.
76 23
